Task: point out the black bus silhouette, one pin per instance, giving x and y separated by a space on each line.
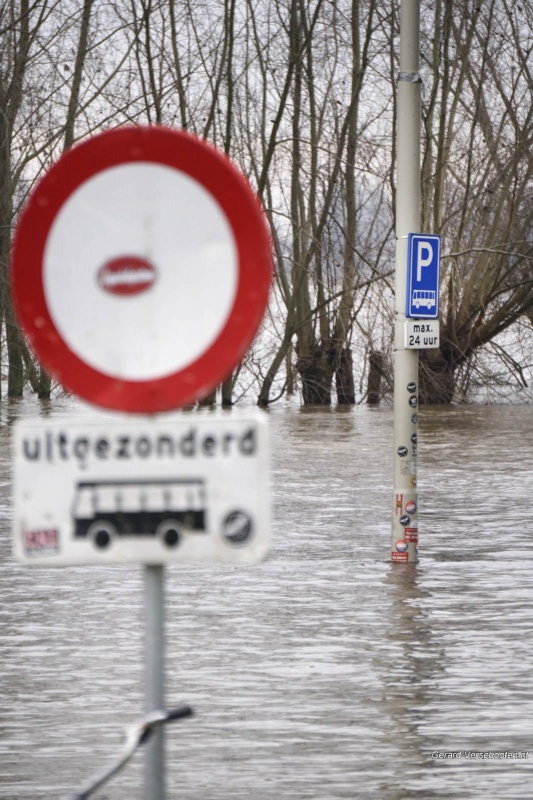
167 509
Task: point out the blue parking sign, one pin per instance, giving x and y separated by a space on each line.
423 264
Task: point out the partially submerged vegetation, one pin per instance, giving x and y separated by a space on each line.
301 96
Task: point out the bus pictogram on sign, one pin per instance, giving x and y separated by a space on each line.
424 299
167 509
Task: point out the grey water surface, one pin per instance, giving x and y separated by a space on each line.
324 672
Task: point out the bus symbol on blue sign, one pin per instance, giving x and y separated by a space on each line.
423 264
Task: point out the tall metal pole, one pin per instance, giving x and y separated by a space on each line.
404 538
154 774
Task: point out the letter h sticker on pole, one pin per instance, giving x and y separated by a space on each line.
423 265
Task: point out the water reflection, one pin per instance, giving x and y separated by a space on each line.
325 672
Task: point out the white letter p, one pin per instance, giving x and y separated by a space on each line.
421 261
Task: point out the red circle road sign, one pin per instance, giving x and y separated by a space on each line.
141 269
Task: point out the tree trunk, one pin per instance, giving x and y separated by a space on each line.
316 374
209 400
289 370
227 392
375 374
344 381
16 372
45 385
264 394
436 377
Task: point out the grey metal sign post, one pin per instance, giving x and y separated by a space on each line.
154 677
404 540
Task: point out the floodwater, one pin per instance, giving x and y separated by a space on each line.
325 672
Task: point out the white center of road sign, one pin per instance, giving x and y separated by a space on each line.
167 218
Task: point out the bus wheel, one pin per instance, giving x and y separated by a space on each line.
101 533
169 532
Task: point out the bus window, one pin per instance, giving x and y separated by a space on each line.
84 501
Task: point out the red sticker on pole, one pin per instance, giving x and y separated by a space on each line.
141 269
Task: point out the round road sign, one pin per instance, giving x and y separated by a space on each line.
141 269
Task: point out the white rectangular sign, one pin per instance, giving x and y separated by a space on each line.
422 334
109 490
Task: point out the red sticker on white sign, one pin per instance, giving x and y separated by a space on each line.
126 275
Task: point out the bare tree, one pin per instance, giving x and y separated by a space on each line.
477 177
300 94
328 141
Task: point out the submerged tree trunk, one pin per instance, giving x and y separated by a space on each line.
17 372
344 382
209 399
289 371
436 377
316 373
44 388
227 392
376 364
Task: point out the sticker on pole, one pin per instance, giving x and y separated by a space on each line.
423 267
141 269
126 489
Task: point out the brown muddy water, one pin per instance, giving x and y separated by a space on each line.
325 672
